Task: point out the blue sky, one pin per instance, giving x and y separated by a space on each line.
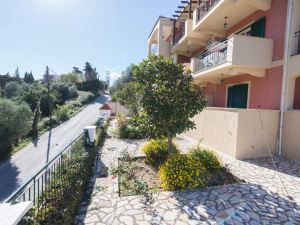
110 34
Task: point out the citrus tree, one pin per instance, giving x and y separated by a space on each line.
168 98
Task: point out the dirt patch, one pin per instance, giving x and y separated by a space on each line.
137 177
148 173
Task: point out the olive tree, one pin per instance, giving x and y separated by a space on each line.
169 98
12 89
15 122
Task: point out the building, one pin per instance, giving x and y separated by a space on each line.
246 54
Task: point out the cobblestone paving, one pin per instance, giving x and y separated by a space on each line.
260 200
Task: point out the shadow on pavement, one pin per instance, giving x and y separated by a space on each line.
285 166
8 188
237 204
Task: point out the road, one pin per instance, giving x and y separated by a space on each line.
28 161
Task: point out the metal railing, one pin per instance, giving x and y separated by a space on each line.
179 33
212 57
204 7
34 189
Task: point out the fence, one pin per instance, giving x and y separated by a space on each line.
53 173
212 57
204 7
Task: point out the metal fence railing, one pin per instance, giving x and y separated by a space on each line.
34 189
212 57
204 7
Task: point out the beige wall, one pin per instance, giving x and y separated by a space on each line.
255 129
117 108
236 132
291 135
216 129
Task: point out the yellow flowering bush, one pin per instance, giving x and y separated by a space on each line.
157 151
181 172
207 158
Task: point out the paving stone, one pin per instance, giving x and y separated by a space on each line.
260 200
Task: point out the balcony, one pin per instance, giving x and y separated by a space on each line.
186 41
211 13
158 41
294 65
237 55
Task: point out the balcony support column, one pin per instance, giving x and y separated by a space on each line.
190 9
174 31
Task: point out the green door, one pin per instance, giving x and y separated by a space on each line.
237 96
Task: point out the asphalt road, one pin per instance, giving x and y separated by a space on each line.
28 161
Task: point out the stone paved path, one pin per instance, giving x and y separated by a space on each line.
260 200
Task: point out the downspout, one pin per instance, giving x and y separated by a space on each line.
285 70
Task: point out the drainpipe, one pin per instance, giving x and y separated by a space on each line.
285 70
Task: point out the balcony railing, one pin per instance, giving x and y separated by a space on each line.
212 57
204 7
179 33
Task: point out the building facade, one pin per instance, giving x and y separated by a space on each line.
246 54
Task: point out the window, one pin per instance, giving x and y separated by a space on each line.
237 96
245 32
256 29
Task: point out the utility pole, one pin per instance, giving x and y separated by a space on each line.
49 98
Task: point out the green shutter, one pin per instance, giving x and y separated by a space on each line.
258 28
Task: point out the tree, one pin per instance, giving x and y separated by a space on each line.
125 78
70 77
12 89
15 122
76 70
95 86
64 91
168 98
89 72
28 78
129 95
17 74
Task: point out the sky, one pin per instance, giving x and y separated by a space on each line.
110 34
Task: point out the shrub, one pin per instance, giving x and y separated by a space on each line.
67 187
48 124
87 99
62 112
181 172
207 158
157 151
122 125
127 128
